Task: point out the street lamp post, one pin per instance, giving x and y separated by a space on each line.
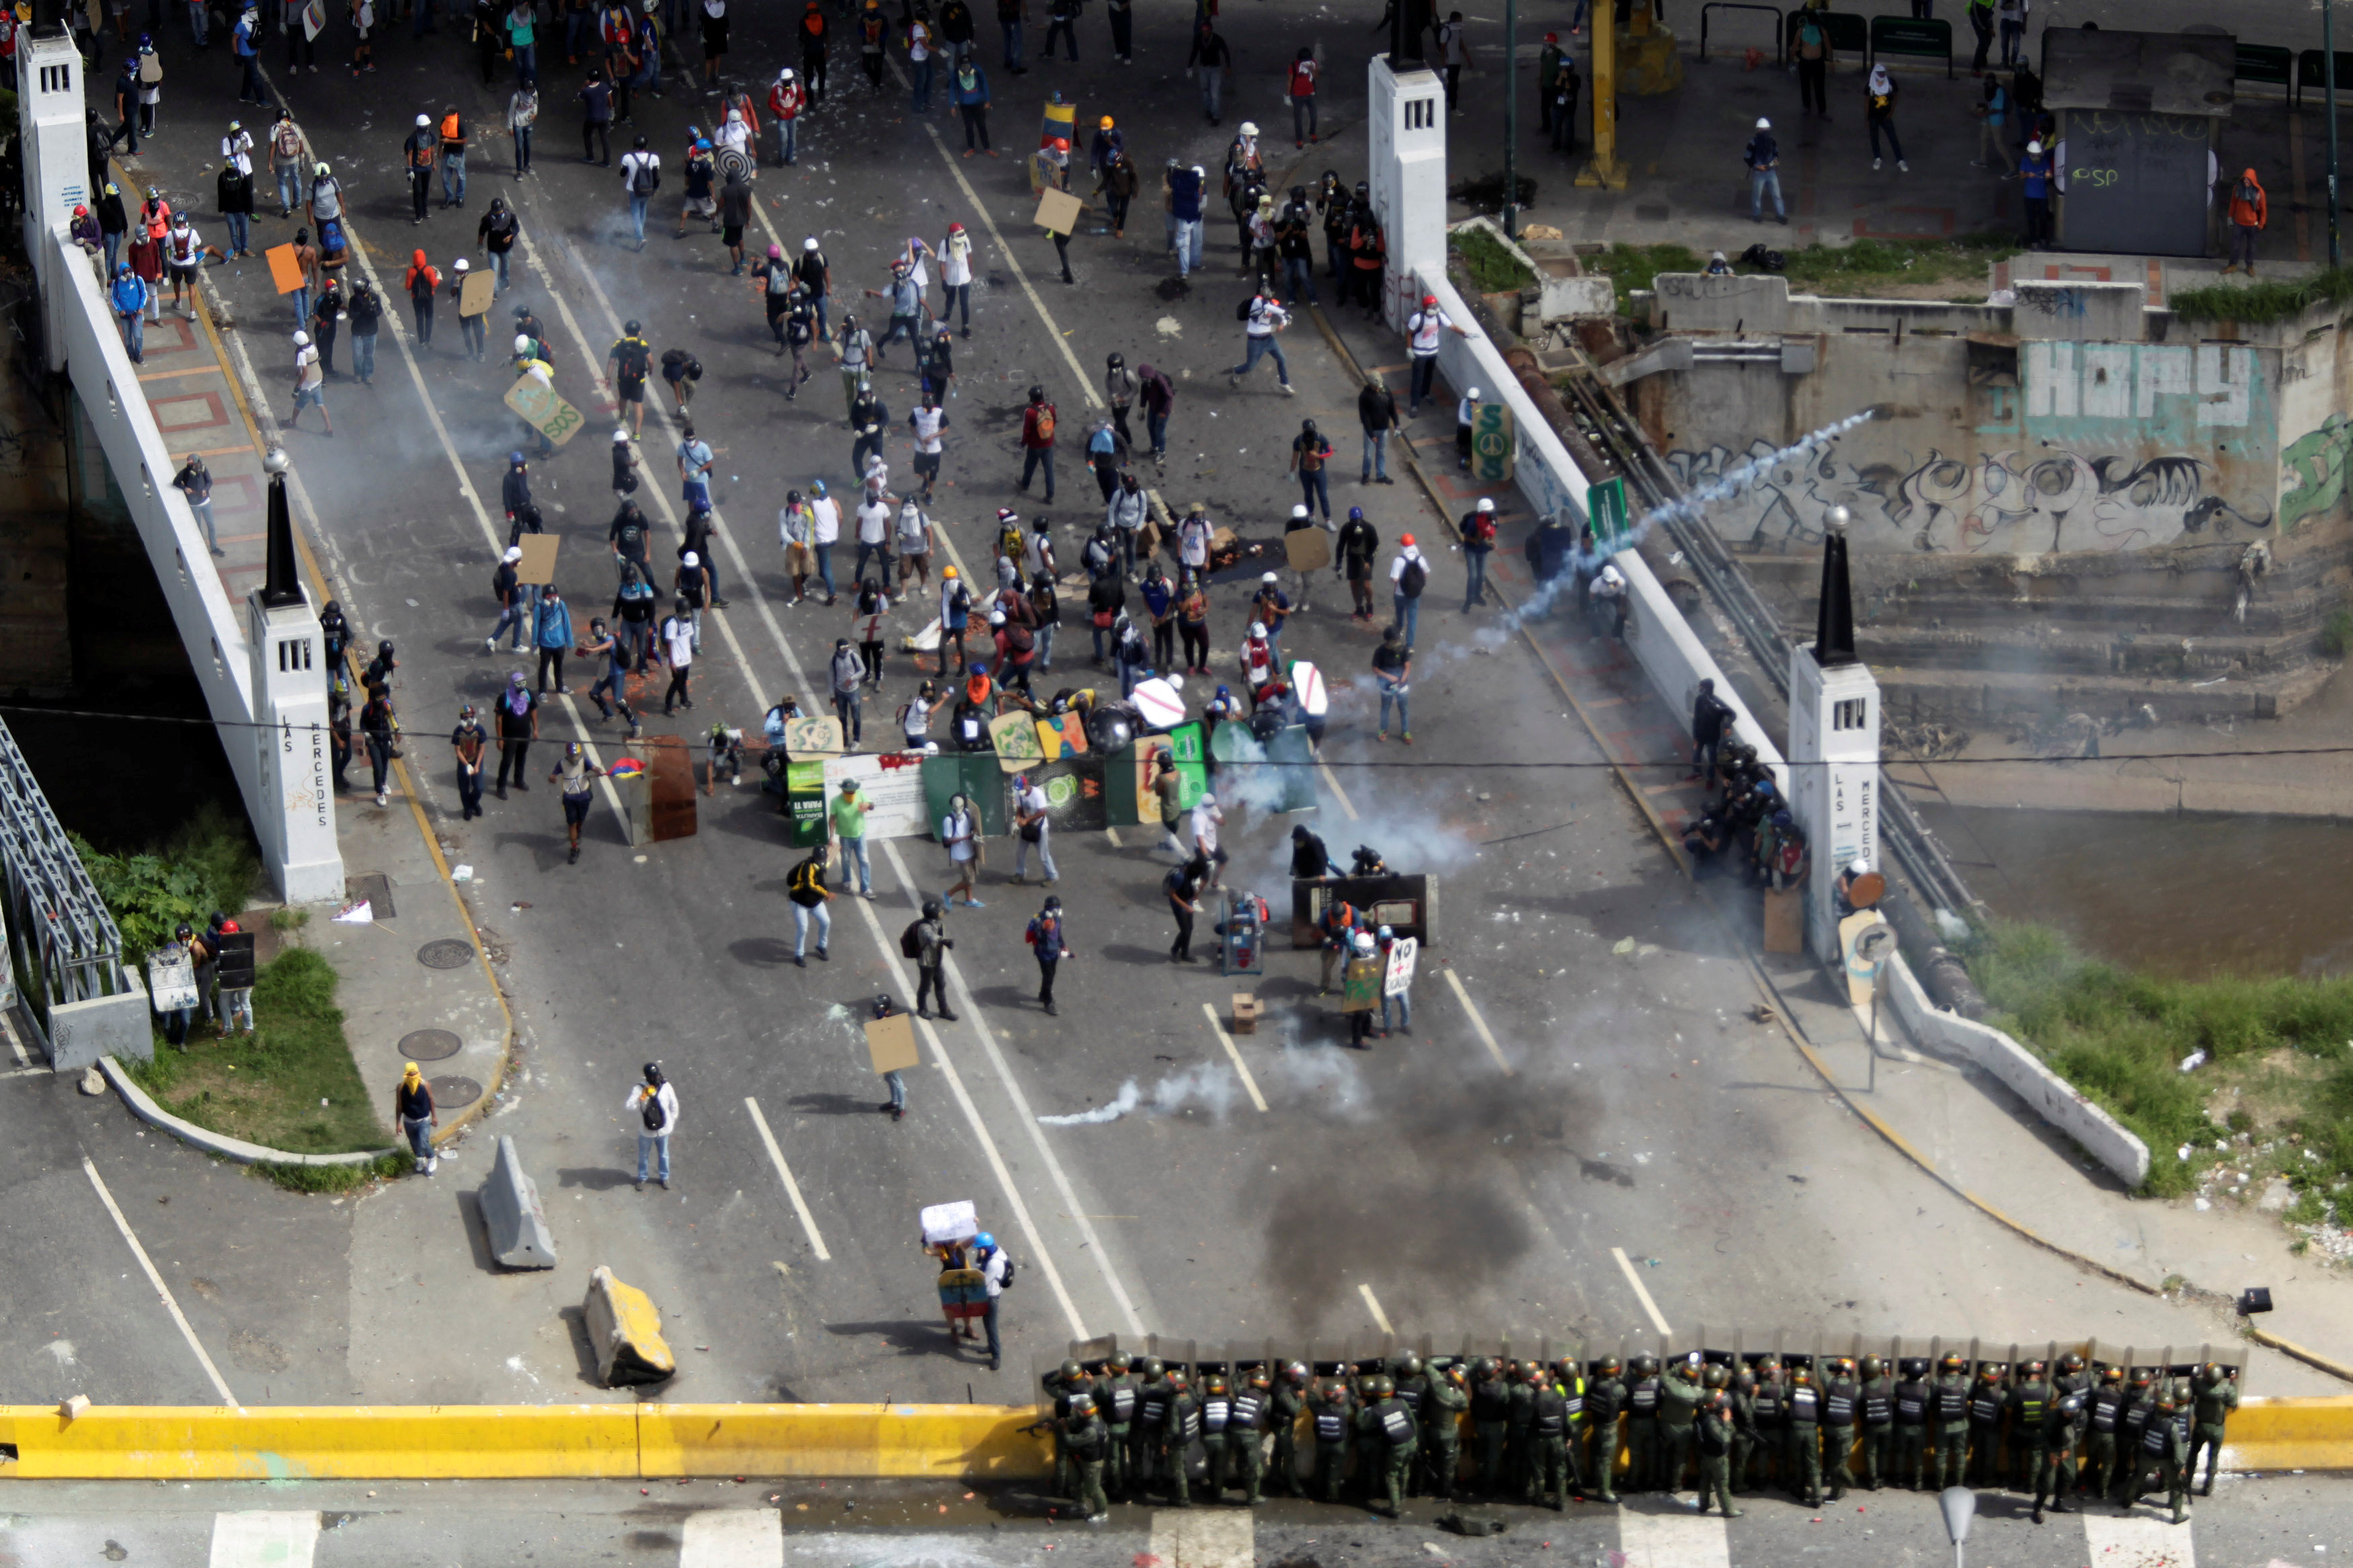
1511 127
2328 84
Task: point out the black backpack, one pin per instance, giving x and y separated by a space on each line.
1241 312
1413 579
636 358
911 941
644 178
652 1114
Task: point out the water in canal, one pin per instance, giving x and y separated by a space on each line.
2191 895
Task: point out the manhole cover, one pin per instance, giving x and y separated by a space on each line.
429 1046
452 1092
447 953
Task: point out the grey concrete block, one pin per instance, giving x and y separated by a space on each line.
511 1213
1757 303
2081 312
81 1032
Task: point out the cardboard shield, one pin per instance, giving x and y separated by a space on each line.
1307 549
538 563
891 1043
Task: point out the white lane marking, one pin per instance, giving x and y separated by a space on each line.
733 1538
2138 1541
1227 1040
1332 783
264 1540
892 956
1478 1023
162 1291
1372 1304
791 1187
392 320
1201 1538
1642 1292
1054 335
1027 1118
1674 1540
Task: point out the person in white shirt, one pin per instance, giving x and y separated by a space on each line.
310 384
795 529
1193 543
927 421
915 537
1423 331
955 277
655 1105
826 530
1267 317
1206 818
960 831
1408 575
678 647
996 1268
1606 595
873 534
1030 812
238 148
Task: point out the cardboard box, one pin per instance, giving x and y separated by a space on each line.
1245 1013
1785 920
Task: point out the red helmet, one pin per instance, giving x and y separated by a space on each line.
1428 300
81 211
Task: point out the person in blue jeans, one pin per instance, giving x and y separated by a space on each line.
1402 1003
1408 575
994 1268
1478 531
655 1105
129 296
1008 17
805 886
1764 159
1393 667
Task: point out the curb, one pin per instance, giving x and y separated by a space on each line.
220 1144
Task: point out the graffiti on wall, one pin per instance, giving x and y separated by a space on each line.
2003 503
2312 470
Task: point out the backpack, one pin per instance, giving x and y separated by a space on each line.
1046 422
286 141
645 176
1242 311
636 358
911 941
651 1113
961 600
1483 528
1413 579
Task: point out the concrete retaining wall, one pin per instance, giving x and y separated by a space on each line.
2053 1099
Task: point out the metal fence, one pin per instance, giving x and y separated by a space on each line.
63 945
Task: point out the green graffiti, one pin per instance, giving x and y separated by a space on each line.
2315 467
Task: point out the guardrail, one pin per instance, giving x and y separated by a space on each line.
1924 37
2312 71
1780 28
2264 63
1847 31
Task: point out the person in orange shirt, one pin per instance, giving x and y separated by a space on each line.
2250 211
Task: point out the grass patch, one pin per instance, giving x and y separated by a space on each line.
1861 269
2278 1080
1492 269
290 1085
339 1178
2267 299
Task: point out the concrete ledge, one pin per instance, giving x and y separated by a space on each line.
2053 1099
2291 1434
860 1440
221 1144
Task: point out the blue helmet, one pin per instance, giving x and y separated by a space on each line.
984 1241
1356 514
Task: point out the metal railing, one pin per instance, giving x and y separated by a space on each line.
64 946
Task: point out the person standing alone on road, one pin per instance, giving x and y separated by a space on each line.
1763 156
1478 531
1879 113
932 944
418 152
469 742
2250 210
518 722
412 1109
1031 826
579 775
805 886
1038 441
655 1102
1045 938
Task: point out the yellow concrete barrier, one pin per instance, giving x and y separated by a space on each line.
851 1440
296 1442
2291 1434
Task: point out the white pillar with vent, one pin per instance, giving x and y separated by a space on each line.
1408 176
55 150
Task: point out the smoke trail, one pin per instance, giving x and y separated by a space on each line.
1207 1084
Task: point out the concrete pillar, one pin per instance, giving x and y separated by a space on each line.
1834 777
1408 175
55 150
294 801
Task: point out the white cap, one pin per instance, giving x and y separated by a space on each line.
1250 127
460 265
301 340
1859 868
1175 682
786 74
514 553
1486 503
689 559
1764 124
1258 629
1610 575
1270 577
1297 510
2034 146
621 438
809 244
1207 800
424 119
1472 394
522 346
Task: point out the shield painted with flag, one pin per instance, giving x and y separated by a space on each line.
314 19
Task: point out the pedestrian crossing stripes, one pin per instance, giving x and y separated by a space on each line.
264 1540
733 1538
1676 1540
2138 1541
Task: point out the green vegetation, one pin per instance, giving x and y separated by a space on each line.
1861 269
290 1085
208 864
339 1178
1492 269
2267 299
2273 1097
2336 632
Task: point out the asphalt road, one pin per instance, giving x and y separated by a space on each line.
1607 1146
2255 1523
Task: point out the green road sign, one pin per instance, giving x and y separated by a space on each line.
1492 443
1606 505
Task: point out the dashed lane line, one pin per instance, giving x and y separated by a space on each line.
162 1291
791 1187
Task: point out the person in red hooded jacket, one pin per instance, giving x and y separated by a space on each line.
2250 211
422 281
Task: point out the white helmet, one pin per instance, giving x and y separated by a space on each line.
423 121
1258 628
622 437
1297 510
1175 682
1250 127
522 346
786 74
1610 575
460 265
1486 503
1472 394
1208 800
809 244
301 340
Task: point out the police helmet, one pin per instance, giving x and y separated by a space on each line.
1151 1368
1071 1372
1117 1362
1873 1366
1409 1365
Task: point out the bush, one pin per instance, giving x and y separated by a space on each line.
208 864
1492 269
2270 299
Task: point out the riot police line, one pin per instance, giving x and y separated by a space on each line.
2076 1423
